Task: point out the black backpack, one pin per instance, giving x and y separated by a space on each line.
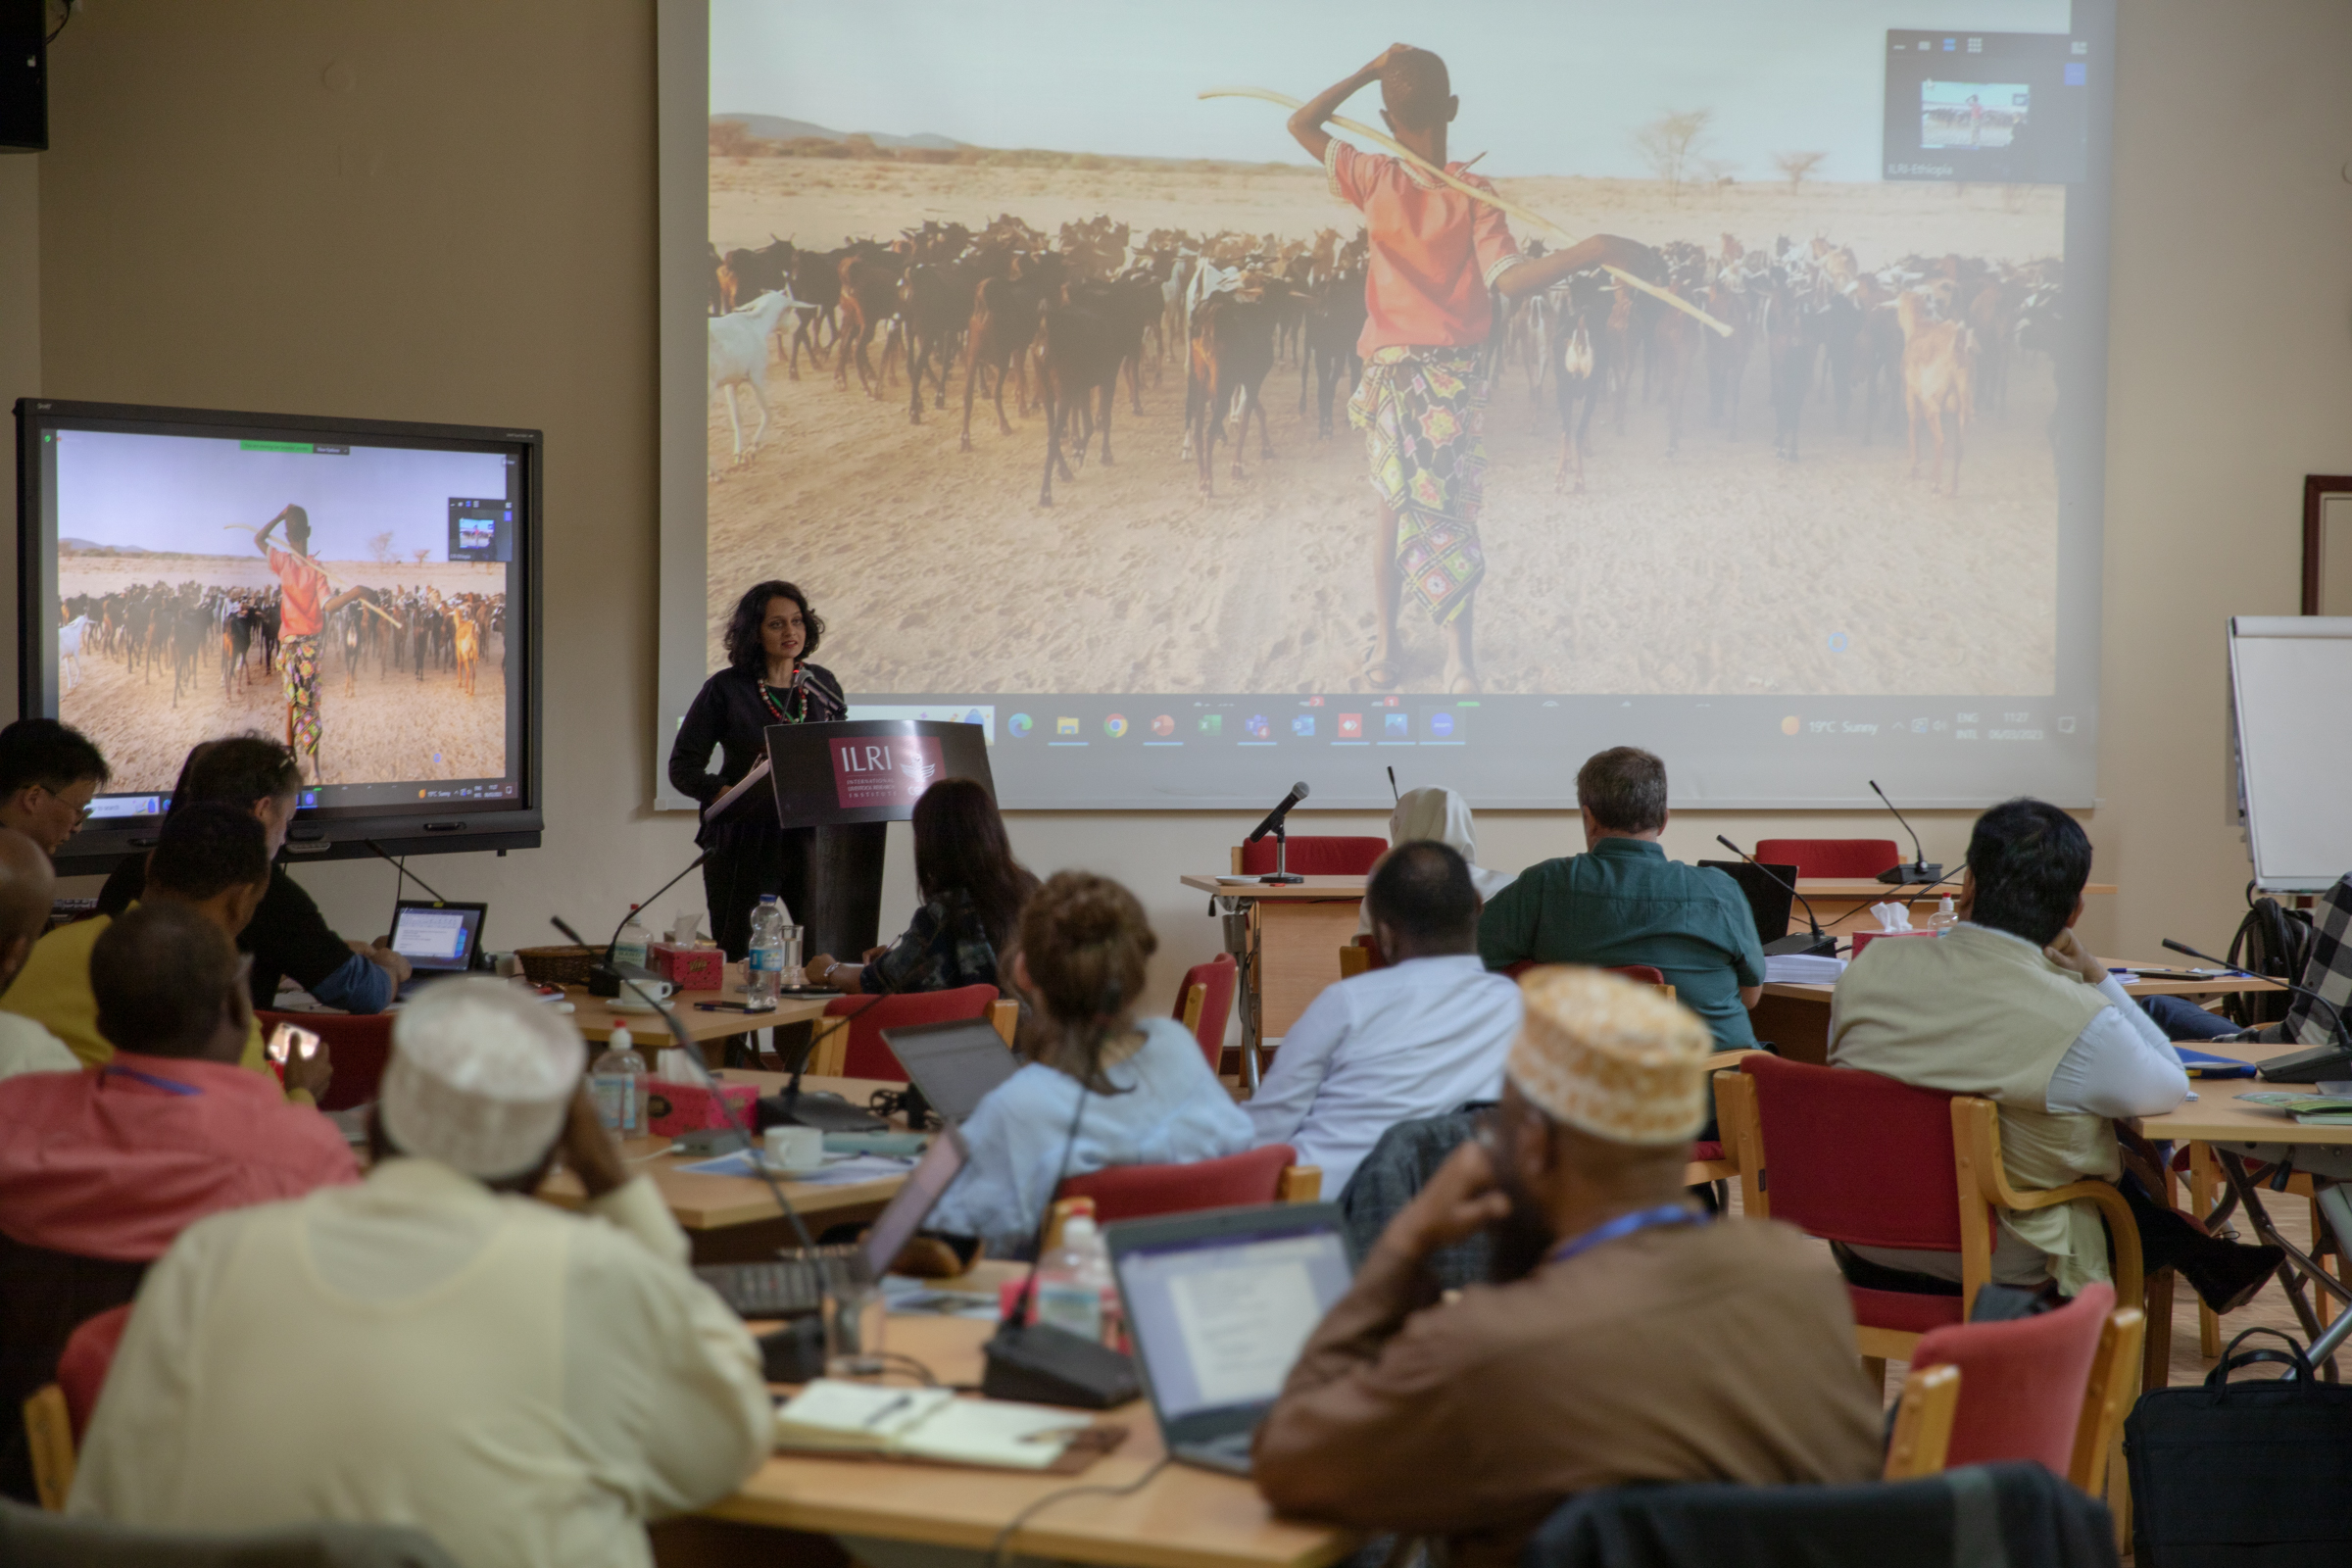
2271 941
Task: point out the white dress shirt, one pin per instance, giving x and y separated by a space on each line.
524 1385
1416 1039
26 1045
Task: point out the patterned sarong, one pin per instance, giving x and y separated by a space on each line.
300 657
1423 415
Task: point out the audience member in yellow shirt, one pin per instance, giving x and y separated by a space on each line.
212 857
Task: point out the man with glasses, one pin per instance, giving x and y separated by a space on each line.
49 772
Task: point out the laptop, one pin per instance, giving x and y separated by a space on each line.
953 1064
1218 1305
1768 900
793 1287
437 939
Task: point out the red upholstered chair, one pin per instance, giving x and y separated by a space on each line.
1845 858
1255 1176
866 1057
2047 1389
1314 854
1204 1001
82 1368
358 1044
1649 974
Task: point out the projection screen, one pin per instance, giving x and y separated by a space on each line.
1855 535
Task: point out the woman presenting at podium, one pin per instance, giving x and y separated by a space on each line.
766 682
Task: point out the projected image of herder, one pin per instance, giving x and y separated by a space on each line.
1434 253
768 681
305 586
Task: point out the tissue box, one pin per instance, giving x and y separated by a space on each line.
1863 938
688 968
673 1108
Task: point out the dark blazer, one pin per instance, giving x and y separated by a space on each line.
728 713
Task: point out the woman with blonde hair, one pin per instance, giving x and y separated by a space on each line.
1101 1088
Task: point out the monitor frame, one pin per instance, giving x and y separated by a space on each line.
316 834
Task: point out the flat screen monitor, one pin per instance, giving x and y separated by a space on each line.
363 589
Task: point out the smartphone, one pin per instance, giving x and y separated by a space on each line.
727 1006
288 1039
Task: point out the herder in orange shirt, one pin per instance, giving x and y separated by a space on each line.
1434 255
303 611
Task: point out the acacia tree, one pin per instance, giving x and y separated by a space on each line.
1670 146
1797 167
422 556
380 545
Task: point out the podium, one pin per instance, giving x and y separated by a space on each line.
848 781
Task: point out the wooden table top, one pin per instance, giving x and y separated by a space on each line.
713 1203
1186 1518
2218 985
596 1016
1835 889
2217 1115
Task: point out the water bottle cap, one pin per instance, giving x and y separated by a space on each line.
768 897
621 1038
1077 1228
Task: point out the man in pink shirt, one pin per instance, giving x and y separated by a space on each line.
100 1171
1436 256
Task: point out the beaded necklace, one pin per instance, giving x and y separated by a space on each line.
794 708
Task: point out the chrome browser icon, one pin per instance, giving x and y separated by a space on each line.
1115 726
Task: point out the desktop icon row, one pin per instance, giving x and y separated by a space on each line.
1391 725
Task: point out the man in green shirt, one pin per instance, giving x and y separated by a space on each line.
1623 901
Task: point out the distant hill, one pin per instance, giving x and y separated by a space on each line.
85 547
776 128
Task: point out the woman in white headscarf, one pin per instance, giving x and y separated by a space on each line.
1439 813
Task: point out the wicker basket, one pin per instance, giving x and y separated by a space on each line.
565 965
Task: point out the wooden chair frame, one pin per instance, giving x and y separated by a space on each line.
1922 1424
49 1432
2107 1399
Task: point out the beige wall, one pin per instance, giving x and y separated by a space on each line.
415 209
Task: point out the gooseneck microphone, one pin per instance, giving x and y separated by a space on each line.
1819 945
2301 1066
1273 824
1919 871
605 979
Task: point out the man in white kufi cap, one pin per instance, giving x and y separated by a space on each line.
435 1347
1625 1339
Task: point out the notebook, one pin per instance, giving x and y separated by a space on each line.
832 1417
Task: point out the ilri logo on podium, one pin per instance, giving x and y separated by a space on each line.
884 773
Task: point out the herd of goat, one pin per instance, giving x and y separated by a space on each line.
153 628
1064 318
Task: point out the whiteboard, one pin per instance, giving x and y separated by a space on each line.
2290 687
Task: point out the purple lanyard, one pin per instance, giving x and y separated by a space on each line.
1624 1225
169 1086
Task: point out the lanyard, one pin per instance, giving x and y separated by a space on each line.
169 1086
1641 1219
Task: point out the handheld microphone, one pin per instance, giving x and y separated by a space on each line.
1919 871
605 979
2301 1066
1273 821
1820 944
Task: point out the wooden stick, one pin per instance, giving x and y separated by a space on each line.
1526 215
238 527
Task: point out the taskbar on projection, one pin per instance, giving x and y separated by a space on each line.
1513 749
335 797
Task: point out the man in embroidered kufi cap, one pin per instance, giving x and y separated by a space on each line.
435 1347
1626 1338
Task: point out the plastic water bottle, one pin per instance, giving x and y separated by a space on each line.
767 952
1945 917
1071 1280
631 946
616 1079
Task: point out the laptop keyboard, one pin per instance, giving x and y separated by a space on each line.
791 1287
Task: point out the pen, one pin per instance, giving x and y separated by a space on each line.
893 1406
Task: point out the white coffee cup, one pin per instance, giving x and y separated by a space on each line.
795 1148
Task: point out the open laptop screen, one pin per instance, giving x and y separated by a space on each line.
436 935
912 1204
953 1063
1219 1320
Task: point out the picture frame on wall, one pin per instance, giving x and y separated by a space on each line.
2327 544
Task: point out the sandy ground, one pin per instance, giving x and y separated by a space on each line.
396 726
1721 570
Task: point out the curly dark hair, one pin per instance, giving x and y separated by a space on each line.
742 640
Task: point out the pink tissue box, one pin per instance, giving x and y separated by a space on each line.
1863 938
688 968
672 1108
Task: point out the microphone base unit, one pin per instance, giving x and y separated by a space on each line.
2307 1066
607 980
1281 879
1039 1364
1813 944
1915 872
826 1112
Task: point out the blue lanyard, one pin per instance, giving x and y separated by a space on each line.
1624 1225
169 1086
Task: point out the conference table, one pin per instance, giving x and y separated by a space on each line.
1183 1517
1296 930
1795 1015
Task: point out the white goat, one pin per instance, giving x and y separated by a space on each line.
69 648
739 358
